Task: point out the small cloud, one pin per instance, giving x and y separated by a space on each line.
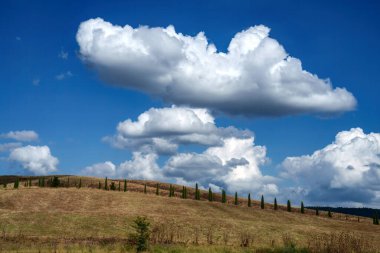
18 38
63 55
36 81
24 135
64 75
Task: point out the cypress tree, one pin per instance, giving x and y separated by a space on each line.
209 194
302 207
80 183
185 192
236 199
196 192
157 189
106 184
99 186
275 207
249 200
170 191
43 182
68 182
289 206
262 204
119 185
145 188
329 214
125 185
30 182
316 211
16 184
224 198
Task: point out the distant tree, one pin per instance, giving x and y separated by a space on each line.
157 189
316 211
16 184
55 183
170 191
376 218
125 185
80 183
302 207
185 193
145 188
275 207
106 184
262 204
50 181
236 199
289 206
4 185
141 233
329 214
119 185
43 182
173 191
197 193
224 197
68 182
113 186
210 194
30 182
249 200
99 186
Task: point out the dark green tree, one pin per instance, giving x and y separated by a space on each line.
43 182
157 189
224 197
236 199
68 182
249 200
113 186
125 185
275 207
317 211
141 233
170 191
173 191
16 184
329 214
145 188
185 192
106 184
80 183
210 197
30 182
4 185
197 193
289 206
262 204
55 183
119 186
376 218
302 207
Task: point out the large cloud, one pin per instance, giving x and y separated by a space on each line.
36 159
163 130
254 77
25 135
345 172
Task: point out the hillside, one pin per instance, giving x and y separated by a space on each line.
68 215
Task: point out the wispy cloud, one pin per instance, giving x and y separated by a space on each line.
63 75
36 81
63 55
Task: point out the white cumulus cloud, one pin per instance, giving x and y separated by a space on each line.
25 135
36 159
254 77
162 130
346 171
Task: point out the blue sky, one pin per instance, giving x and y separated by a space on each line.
48 87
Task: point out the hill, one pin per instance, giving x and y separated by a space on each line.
45 218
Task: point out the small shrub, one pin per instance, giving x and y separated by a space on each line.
141 234
113 186
55 183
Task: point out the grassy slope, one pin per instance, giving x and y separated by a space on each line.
92 214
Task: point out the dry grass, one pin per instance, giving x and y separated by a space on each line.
66 216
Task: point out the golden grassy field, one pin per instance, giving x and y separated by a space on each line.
68 219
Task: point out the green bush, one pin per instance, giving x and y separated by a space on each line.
113 186
55 183
141 234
